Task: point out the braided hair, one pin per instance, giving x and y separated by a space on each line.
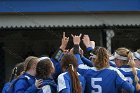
127 53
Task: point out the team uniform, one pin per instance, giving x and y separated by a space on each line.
65 83
25 85
7 86
107 80
87 61
127 72
48 86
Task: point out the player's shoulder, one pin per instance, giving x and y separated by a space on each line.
63 75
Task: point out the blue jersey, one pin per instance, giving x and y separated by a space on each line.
6 86
127 72
48 86
22 86
107 80
65 83
58 69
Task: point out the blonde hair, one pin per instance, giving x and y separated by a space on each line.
102 59
138 51
127 53
28 62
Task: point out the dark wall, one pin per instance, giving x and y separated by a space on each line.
2 65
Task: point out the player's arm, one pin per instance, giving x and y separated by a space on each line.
86 61
122 83
56 58
76 41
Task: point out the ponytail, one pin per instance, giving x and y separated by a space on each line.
76 87
132 63
69 63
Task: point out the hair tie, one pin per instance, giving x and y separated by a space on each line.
71 66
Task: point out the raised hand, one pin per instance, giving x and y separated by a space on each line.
92 43
76 39
86 41
64 42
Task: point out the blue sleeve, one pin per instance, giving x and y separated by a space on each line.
6 86
79 59
123 84
58 69
89 49
22 86
86 61
82 69
128 87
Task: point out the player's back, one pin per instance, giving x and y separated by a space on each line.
107 80
126 70
65 83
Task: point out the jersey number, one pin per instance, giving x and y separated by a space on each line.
96 86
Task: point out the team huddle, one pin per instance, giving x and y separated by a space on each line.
69 71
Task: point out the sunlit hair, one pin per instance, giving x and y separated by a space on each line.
69 63
138 51
44 69
29 62
123 52
127 53
102 58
